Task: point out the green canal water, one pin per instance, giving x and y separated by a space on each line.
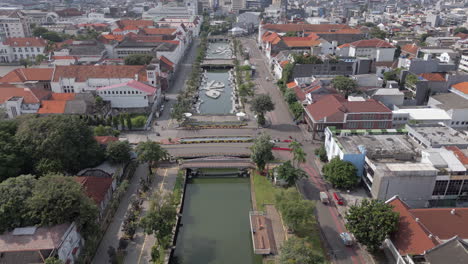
215 220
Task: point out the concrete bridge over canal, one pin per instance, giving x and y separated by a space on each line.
218 162
217 63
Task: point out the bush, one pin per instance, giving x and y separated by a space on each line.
139 121
321 153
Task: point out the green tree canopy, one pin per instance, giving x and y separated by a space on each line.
58 143
344 85
306 59
105 131
11 157
289 173
118 151
138 59
261 104
52 36
377 33
297 251
299 156
371 222
290 96
14 192
261 152
39 31
151 152
295 211
463 30
341 174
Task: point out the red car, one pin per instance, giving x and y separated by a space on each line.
338 198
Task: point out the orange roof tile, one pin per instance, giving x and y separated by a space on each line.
27 74
300 41
346 45
291 85
462 87
26 42
453 224
103 140
159 31
304 27
52 107
372 43
284 63
83 72
62 96
95 187
459 154
435 77
137 23
410 48
412 236
8 91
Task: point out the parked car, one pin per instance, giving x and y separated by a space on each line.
324 197
347 238
338 199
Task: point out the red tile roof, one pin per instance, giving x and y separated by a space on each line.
83 72
291 85
304 27
346 45
128 28
95 187
459 154
103 140
167 61
462 35
300 41
52 107
371 43
9 91
410 48
26 42
442 223
271 37
28 74
133 84
412 236
159 31
301 96
63 58
284 63
62 96
462 87
137 23
333 107
435 77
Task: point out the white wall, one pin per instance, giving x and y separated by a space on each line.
126 97
71 240
385 54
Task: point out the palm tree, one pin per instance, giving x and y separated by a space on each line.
298 153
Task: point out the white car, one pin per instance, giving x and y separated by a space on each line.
347 238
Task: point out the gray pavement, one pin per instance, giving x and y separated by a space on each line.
113 232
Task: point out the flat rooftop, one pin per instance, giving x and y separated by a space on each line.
450 101
424 114
398 147
440 135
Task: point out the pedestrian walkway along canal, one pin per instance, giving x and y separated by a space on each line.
216 223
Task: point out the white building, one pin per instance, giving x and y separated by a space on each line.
132 94
454 103
420 115
85 78
14 24
463 66
17 101
15 49
377 49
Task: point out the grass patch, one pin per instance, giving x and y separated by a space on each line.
179 186
310 232
264 191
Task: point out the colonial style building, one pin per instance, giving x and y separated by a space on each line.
14 24
131 94
16 49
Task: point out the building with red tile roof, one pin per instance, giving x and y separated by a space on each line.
16 49
131 94
20 100
52 107
99 189
158 31
335 110
433 77
410 50
423 230
29 75
377 49
461 88
135 23
104 140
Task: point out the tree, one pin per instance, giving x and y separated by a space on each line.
52 36
321 153
289 173
290 96
463 30
260 105
341 174
138 59
160 218
14 193
411 79
375 32
151 152
290 34
297 251
297 109
53 260
11 157
296 212
57 199
39 31
372 222
344 85
105 131
40 58
115 122
26 63
391 75
119 151
298 153
261 151
65 142
423 37
122 121
397 52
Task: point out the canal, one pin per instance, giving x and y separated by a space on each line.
216 223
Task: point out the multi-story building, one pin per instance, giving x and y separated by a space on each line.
16 49
376 49
335 110
14 24
416 163
132 94
455 103
463 66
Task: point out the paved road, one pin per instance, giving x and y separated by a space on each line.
113 232
282 126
